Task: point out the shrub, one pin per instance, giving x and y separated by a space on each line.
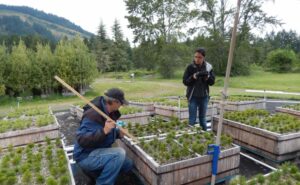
11 180
40 179
64 180
281 60
26 179
51 181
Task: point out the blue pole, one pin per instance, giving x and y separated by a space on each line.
214 150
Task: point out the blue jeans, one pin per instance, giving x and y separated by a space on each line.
105 164
201 105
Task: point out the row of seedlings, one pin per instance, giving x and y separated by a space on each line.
290 109
23 125
40 163
175 153
273 136
239 103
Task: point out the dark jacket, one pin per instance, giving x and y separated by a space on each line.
90 134
198 87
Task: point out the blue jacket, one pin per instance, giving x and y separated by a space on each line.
90 134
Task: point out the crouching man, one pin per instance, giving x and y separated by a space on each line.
95 136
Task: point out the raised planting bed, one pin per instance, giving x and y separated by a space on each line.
27 127
290 109
286 174
129 114
158 127
26 112
275 137
43 163
182 112
180 159
240 103
145 106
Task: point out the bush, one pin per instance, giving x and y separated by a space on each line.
281 60
51 181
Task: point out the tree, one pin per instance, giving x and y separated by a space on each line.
145 56
101 49
155 19
217 17
118 52
3 60
159 23
101 34
83 64
75 64
63 54
44 69
252 16
284 40
170 56
19 71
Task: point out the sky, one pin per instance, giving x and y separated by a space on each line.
89 13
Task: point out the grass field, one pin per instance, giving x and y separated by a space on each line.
153 87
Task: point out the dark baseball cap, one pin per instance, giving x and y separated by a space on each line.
117 94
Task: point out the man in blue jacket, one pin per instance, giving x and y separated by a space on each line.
198 76
92 150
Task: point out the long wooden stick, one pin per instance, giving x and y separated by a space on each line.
226 81
94 107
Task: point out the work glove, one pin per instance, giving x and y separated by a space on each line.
121 123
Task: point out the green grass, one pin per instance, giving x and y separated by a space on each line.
259 79
157 87
268 81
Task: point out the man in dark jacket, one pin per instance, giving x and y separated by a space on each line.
198 76
92 150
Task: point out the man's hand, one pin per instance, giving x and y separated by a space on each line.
121 133
195 76
200 74
109 125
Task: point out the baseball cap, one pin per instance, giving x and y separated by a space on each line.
117 94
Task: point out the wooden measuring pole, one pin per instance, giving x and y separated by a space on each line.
226 82
94 107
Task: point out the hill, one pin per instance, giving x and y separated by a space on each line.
21 20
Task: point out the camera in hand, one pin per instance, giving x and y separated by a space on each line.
201 74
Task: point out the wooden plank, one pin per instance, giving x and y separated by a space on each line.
182 113
267 155
147 107
242 105
141 117
289 111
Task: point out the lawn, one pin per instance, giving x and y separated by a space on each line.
153 87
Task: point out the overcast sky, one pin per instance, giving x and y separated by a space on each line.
89 13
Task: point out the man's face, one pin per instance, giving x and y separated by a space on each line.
198 58
115 105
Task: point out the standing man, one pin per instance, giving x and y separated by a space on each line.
198 76
92 150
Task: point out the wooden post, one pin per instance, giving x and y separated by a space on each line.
226 82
